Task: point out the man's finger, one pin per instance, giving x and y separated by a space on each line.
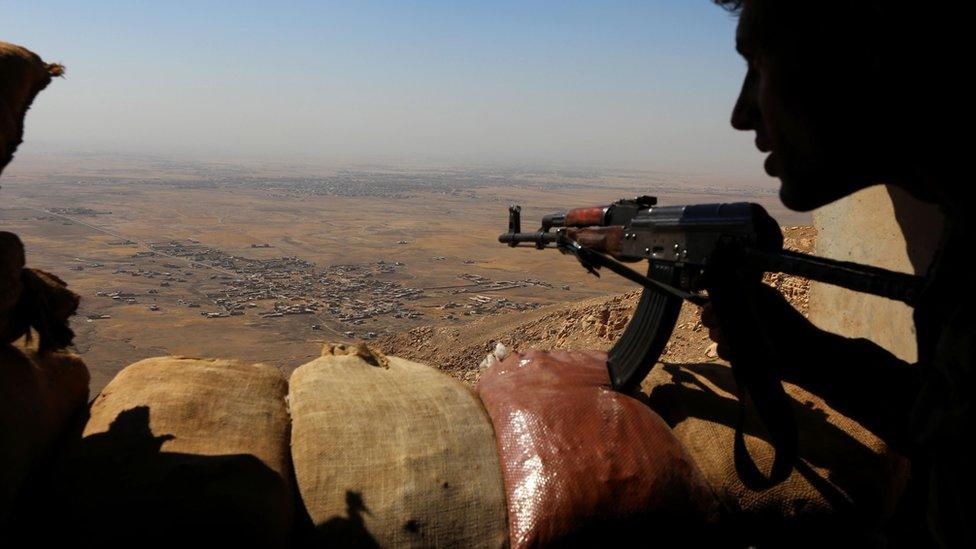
708 317
722 351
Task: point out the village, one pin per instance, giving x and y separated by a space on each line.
344 295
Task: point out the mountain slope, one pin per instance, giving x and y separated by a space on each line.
591 324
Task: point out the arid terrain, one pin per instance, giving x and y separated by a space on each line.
267 264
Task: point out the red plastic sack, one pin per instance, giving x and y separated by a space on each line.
583 464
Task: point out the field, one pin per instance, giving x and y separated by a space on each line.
268 263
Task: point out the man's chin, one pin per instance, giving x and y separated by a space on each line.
806 195
5 158
797 202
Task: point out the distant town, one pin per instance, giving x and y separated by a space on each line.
347 294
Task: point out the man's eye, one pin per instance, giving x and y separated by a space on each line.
754 69
752 76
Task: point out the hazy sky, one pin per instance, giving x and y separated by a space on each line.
636 84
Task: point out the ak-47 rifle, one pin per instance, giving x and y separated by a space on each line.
688 249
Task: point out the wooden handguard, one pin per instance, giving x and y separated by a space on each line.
605 240
585 217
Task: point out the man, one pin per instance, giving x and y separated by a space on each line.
845 96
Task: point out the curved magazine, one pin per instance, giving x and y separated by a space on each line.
641 345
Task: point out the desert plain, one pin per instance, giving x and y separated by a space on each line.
266 263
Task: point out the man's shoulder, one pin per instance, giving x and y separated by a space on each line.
946 331
946 296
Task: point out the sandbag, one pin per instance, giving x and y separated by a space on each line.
42 386
34 304
388 452
584 465
183 450
22 76
12 262
846 481
40 393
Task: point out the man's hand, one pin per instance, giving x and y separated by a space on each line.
779 325
709 321
855 376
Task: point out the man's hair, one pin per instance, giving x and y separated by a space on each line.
734 6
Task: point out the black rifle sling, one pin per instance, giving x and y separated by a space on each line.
643 341
754 372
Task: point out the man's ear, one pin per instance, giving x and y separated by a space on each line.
22 76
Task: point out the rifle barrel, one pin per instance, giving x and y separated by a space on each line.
539 238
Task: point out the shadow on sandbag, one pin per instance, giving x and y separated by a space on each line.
119 487
349 530
846 479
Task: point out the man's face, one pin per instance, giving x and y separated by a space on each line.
810 97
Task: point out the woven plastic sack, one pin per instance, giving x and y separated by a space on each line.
393 453
584 465
183 451
39 395
845 483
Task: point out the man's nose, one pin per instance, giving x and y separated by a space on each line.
745 114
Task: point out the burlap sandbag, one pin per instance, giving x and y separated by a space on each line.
41 387
39 395
22 76
393 453
845 483
183 451
584 465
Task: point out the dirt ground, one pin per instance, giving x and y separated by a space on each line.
97 225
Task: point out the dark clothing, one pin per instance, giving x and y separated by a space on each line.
922 410
942 416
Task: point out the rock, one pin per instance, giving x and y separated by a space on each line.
488 362
501 352
498 353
